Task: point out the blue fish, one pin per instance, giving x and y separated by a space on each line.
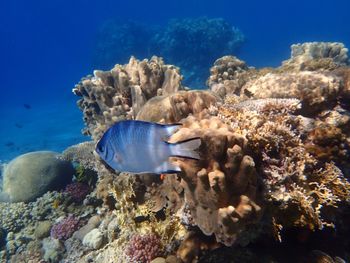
142 147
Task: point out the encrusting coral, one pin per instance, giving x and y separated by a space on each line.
174 107
317 91
317 56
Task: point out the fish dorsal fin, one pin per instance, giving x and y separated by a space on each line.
168 130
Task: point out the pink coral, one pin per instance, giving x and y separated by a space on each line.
65 228
143 248
77 191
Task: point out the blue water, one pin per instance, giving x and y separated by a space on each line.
47 46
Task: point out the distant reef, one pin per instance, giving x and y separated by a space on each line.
272 184
193 44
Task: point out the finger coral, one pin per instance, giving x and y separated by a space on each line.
221 190
114 95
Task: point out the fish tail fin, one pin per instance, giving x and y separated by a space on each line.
186 148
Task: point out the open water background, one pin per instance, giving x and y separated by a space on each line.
47 46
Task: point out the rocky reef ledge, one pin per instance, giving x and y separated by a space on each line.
272 182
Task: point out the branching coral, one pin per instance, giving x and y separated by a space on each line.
65 228
144 248
294 177
77 191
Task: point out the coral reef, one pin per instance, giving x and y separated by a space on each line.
292 175
273 157
274 169
228 75
82 153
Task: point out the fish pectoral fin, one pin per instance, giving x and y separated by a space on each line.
117 158
167 168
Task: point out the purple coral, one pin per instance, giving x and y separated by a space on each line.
77 191
65 228
144 248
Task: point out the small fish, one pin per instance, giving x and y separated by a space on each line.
27 106
9 144
141 147
18 125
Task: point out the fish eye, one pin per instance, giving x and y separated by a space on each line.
100 148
